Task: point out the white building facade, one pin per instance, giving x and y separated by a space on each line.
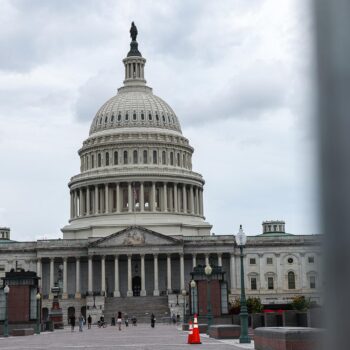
137 226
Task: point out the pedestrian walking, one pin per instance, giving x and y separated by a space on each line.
89 322
173 318
119 320
153 320
134 321
126 320
72 322
81 322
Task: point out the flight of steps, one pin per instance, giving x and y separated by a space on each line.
140 307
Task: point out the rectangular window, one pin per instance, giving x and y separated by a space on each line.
311 259
269 261
253 285
252 261
270 282
312 282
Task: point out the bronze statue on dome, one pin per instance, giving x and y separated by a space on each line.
133 31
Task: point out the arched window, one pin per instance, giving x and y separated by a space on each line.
145 157
107 158
119 117
87 163
134 116
155 161
99 160
126 116
112 118
184 160
92 161
134 157
100 120
142 116
125 157
157 117
291 280
163 118
171 158
149 116
163 157
178 159
106 119
116 158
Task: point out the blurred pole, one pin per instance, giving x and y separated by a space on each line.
332 20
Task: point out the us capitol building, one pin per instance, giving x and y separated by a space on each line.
137 226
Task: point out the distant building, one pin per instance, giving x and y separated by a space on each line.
137 226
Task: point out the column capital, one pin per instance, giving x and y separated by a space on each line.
65 258
77 258
155 255
142 255
129 256
219 254
116 256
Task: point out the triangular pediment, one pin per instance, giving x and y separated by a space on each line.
135 236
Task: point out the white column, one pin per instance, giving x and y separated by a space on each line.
168 264
129 293
279 285
103 275
71 205
154 196
106 199
116 276
302 279
156 287
165 197
219 259
81 202
52 275
75 214
206 259
201 202
197 201
90 275
77 278
130 201
194 260
232 273
184 198
143 276
38 272
192 199
175 198
118 197
96 199
142 197
64 294
261 277
182 273
88 201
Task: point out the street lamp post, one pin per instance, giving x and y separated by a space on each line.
6 322
241 240
38 297
208 270
184 299
193 286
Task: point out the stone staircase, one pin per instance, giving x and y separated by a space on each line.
140 307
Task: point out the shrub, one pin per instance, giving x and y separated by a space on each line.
300 303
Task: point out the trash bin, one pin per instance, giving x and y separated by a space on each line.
113 321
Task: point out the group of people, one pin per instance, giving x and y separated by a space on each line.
102 322
81 322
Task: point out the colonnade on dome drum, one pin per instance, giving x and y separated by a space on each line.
132 196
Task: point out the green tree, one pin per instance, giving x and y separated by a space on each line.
300 303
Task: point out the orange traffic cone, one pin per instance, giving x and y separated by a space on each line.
196 339
190 333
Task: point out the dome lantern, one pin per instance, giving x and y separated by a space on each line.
134 62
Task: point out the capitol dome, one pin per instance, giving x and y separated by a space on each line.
135 107
136 166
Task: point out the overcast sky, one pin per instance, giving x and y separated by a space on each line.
237 73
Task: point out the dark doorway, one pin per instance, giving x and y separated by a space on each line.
71 312
136 286
83 311
45 314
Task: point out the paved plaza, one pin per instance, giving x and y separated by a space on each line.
142 337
